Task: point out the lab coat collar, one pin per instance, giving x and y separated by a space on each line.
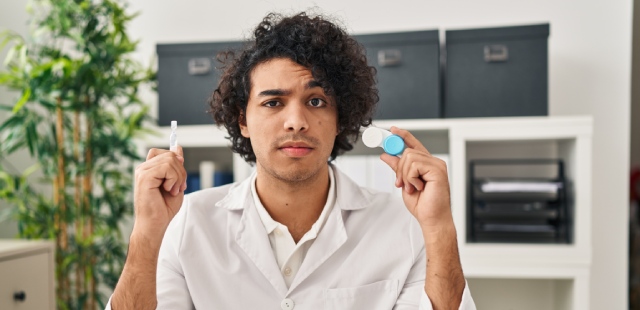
253 239
239 195
349 196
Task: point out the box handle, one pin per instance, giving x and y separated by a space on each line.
496 53
19 296
389 58
199 66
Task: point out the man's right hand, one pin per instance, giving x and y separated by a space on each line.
158 194
159 190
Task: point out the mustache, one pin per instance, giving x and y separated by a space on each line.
311 141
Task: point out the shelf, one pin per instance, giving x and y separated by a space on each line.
562 126
188 136
567 137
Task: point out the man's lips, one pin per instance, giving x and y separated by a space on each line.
295 145
296 149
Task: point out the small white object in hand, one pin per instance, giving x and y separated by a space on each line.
173 138
377 137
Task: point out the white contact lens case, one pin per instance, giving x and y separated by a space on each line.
377 137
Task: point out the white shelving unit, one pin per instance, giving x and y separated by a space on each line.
204 137
566 267
568 138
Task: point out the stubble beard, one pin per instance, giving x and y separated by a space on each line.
299 175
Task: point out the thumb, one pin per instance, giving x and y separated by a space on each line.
390 160
178 150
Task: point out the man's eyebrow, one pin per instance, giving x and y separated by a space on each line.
285 92
312 84
274 92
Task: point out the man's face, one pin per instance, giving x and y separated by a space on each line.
291 122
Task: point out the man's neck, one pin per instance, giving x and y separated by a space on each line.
296 205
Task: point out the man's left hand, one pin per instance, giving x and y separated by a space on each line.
424 182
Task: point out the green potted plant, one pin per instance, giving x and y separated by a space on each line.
77 114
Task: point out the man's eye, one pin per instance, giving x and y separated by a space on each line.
317 102
271 103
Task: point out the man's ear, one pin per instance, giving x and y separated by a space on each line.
242 122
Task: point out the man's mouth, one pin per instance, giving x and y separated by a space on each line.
296 149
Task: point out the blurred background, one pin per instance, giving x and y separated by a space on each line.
593 102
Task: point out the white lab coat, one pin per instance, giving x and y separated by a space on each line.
369 255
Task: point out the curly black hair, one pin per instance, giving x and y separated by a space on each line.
336 60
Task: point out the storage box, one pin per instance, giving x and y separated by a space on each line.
187 75
408 74
497 72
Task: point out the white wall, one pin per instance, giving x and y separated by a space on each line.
635 88
589 74
12 16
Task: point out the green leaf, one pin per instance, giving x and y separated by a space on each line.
8 185
9 57
27 172
6 77
32 137
23 55
25 97
12 121
7 36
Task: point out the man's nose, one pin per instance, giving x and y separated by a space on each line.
295 118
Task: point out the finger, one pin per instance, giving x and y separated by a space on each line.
410 175
178 184
171 178
181 182
409 139
165 172
155 152
176 189
162 177
163 157
183 187
413 177
424 168
400 183
392 162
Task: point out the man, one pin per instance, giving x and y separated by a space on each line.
297 234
